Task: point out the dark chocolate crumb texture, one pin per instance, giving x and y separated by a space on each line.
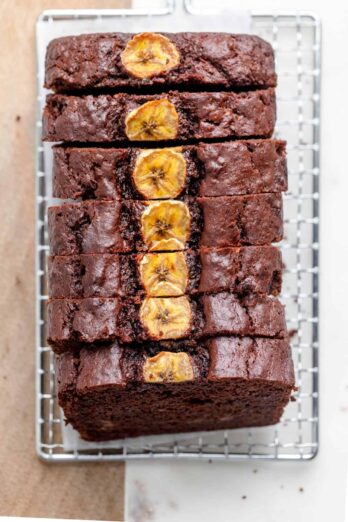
226 382
206 170
244 270
100 227
75 322
121 60
174 116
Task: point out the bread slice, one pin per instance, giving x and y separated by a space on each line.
206 170
111 392
76 322
241 270
98 227
94 61
172 117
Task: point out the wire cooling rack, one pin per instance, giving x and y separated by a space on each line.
296 40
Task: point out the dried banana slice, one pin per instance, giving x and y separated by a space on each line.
166 317
149 54
165 225
160 173
154 120
164 274
168 367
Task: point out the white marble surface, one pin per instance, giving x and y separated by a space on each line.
200 491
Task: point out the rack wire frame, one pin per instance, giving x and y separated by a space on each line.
296 39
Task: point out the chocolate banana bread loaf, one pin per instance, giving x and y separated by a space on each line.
111 392
162 279
174 116
74 322
121 60
243 270
206 170
98 227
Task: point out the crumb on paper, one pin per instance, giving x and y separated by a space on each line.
292 333
255 470
301 490
244 497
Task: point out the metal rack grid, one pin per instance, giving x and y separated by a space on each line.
296 40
